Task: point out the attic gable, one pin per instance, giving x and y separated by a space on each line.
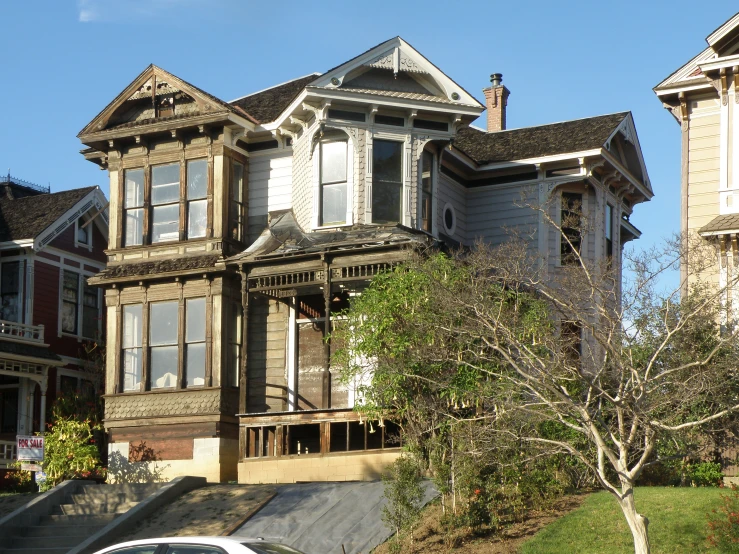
395 66
155 95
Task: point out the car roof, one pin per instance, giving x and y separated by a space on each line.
212 541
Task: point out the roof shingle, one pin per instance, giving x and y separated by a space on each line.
535 142
266 105
727 222
26 217
156 267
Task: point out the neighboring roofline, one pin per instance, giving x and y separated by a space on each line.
624 113
723 30
53 230
630 227
692 61
274 86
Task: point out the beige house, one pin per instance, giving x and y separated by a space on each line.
239 230
703 96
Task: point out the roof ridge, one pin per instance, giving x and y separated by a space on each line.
274 86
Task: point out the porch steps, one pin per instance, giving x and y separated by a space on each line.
84 512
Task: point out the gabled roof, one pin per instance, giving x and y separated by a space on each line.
398 56
536 142
264 106
721 42
163 83
28 217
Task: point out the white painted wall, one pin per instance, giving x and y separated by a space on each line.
270 182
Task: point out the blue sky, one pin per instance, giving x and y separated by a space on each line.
62 61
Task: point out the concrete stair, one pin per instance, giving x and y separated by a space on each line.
84 512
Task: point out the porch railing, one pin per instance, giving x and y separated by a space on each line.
7 453
21 331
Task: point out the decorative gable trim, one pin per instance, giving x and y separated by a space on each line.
152 82
628 130
398 56
94 199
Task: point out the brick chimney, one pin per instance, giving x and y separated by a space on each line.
496 99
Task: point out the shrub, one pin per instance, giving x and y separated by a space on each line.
705 474
70 451
403 492
723 523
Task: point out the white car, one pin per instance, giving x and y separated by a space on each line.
199 545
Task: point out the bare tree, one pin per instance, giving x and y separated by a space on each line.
566 359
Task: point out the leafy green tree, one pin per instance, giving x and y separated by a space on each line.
496 357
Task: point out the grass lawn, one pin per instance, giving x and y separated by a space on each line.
677 524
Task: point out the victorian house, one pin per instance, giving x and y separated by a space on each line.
703 96
50 244
241 229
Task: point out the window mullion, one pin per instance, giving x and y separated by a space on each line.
183 201
208 341
146 351
146 239
181 350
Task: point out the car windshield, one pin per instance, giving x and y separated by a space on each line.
270 548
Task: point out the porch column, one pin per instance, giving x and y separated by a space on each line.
243 368
326 385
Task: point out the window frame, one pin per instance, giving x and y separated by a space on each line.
147 208
427 224
82 288
236 213
574 234
19 293
333 134
403 140
609 232
147 347
324 184
86 226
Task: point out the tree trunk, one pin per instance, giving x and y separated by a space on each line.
638 524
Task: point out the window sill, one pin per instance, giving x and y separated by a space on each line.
337 226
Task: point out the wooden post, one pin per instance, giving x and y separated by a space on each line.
326 387
243 367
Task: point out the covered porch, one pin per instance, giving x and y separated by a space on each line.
24 372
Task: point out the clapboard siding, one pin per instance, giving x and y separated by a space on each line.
267 355
270 183
449 191
493 213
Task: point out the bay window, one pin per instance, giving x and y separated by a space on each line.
177 203
133 207
333 182
387 181
133 321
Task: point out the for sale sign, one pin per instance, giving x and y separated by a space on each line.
30 449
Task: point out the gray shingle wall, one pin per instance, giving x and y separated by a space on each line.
190 402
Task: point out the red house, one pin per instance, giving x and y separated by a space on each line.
49 245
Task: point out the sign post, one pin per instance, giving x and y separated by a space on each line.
31 450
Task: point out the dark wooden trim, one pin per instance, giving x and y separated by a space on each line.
209 337
181 350
118 231
118 345
146 239
326 381
183 197
243 367
146 354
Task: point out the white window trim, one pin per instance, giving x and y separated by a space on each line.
88 227
434 193
317 198
405 194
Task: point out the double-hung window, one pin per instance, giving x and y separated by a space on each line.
133 322
10 291
195 342
80 306
427 177
236 215
133 207
84 232
609 233
571 228
333 179
163 344
70 301
165 200
387 181
197 203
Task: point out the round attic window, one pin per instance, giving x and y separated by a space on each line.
335 81
455 96
450 219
